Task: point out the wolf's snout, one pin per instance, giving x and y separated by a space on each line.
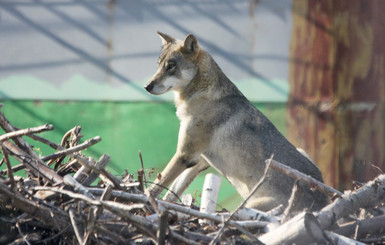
149 87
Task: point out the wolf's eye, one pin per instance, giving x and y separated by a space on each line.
170 66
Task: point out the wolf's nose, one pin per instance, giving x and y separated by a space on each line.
149 87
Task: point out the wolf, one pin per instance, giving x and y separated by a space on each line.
220 128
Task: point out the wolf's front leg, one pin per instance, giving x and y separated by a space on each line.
184 180
178 163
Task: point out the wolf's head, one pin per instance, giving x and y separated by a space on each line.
177 65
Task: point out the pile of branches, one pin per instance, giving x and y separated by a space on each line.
68 198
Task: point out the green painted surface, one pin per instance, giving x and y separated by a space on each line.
125 128
79 87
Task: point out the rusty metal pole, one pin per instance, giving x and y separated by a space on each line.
310 122
336 107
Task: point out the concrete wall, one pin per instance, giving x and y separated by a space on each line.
93 50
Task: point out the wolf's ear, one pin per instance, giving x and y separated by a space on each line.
165 38
190 44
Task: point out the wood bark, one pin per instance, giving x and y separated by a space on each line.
210 195
360 228
302 229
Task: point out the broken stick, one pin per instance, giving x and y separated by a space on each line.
295 174
26 131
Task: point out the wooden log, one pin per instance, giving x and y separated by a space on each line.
337 239
361 228
302 229
369 195
210 195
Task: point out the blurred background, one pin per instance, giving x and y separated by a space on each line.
316 68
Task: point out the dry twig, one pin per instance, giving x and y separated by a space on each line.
27 131
9 168
309 180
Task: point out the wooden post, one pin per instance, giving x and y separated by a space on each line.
210 195
336 107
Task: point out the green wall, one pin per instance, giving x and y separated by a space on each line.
125 128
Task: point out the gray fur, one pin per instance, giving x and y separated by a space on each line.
219 125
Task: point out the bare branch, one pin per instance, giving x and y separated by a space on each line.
295 174
57 219
79 236
296 195
369 195
27 131
163 228
9 168
84 161
38 167
74 149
